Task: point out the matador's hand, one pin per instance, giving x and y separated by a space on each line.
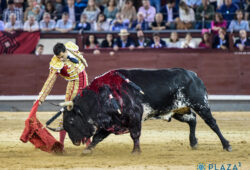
38 103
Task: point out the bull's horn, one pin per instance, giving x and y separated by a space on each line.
68 103
58 129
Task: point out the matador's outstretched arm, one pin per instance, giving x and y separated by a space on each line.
48 85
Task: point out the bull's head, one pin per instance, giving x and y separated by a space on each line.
79 116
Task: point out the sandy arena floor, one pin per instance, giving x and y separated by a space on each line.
165 145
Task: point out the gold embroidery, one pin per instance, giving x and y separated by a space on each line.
56 63
48 85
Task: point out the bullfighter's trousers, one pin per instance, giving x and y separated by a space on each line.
74 87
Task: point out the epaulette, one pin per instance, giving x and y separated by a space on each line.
71 46
56 63
74 49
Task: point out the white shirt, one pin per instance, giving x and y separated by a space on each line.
191 44
187 17
16 26
174 44
170 14
50 25
72 14
60 24
27 26
104 26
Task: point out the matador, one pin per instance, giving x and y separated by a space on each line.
70 64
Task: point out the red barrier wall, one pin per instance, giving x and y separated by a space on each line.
222 72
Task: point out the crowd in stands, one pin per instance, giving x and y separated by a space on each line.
218 16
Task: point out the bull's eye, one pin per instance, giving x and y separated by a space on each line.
71 121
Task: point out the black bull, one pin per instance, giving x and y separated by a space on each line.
175 93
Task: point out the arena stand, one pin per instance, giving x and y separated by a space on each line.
224 72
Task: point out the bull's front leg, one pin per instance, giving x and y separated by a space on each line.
98 137
135 133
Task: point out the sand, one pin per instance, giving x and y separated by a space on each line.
165 145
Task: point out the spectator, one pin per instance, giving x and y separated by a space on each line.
12 9
91 42
110 10
242 41
128 11
71 10
119 23
29 9
218 23
156 4
120 4
38 12
228 10
83 24
170 14
49 8
221 40
124 41
3 4
157 41
41 3
239 3
204 15
108 42
142 41
101 24
47 24
140 23
148 11
39 49
101 4
247 10
31 24
215 3
205 41
64 25
158 24
58 5
174 41
1 25
193 3
80 5
188 42
239 24
91 11
13 24
219 4
186 17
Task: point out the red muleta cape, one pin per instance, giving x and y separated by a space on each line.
38 135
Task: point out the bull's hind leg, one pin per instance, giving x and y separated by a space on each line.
206 115
135 133
98 137
191 120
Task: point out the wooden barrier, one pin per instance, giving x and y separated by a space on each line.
222 72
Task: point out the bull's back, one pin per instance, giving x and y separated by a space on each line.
160 86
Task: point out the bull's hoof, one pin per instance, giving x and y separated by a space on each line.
136 151
195 146
87 151
229 148
194 143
